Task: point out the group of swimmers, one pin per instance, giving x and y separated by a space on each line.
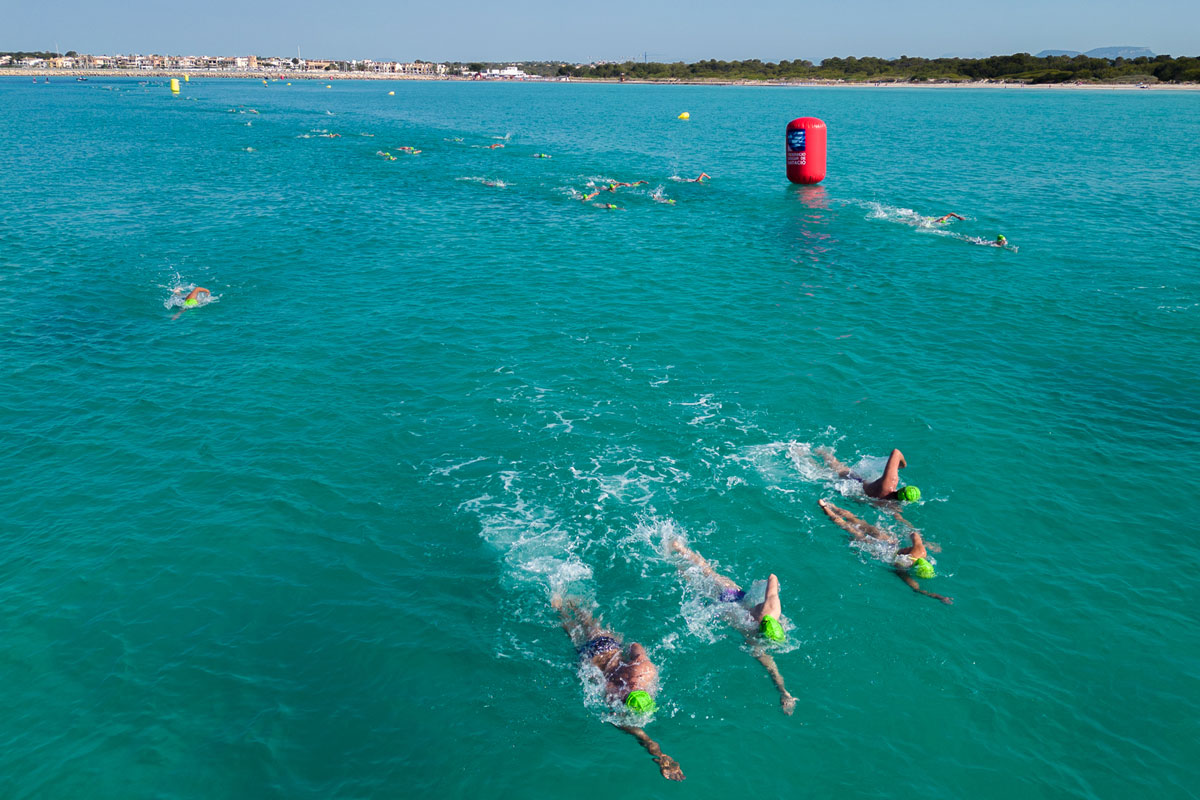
631 678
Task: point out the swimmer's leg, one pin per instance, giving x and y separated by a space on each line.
836 514
831 461
858 528
577 621
700 562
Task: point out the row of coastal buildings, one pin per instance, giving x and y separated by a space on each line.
220 64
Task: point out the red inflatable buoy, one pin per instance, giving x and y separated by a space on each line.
806 150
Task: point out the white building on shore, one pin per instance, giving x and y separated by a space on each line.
250 63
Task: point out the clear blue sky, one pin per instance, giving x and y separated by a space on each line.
466 30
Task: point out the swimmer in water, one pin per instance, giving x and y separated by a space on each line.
1000 240
194 299
906 562
494 146
588 197
701 179
760 626
628 679
885 487
612 187
542 155
944 219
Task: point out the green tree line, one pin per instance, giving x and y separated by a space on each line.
1020 67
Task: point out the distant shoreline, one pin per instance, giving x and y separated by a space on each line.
375 76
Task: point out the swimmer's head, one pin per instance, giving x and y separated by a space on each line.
641 702
908 494
923 569
1000 238
770 628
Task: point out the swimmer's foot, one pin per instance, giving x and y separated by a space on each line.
556 601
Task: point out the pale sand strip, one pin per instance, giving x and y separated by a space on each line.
371 76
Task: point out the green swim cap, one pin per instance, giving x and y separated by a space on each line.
771 628
641 702
909 494
191 303
923 569
1000 237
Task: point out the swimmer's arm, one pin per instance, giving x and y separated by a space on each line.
785 698
916 587
891 473
901 519
668 766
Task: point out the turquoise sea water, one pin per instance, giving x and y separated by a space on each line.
300 542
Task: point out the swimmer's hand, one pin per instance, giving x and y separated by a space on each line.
788 703
669 768
916 587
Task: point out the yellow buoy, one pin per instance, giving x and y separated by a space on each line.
329 86
175 85
684 115
391 94
186 77
289 83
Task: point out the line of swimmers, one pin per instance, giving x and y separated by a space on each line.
999 241
612 186
631 678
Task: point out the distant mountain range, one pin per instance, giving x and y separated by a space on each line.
1103 52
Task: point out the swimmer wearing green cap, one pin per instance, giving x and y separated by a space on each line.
195 296
760 626
909 561
194 299
885 487
629 679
